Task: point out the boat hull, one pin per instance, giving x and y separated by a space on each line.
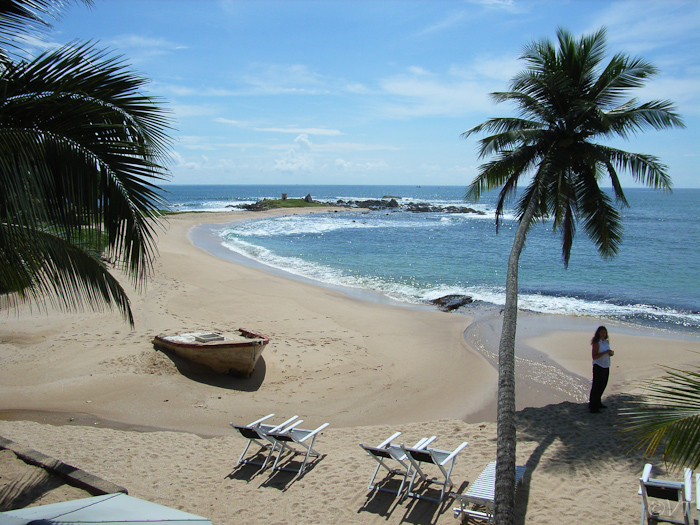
224 354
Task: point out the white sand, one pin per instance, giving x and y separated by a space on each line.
366 368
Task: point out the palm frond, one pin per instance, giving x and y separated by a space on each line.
82 148
20 18
51 270
668 415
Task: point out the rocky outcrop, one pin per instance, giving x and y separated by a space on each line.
412 207
448 303
374 204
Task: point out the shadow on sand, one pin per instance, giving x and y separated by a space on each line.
205 375
584 441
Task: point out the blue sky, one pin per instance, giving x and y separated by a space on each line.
370 92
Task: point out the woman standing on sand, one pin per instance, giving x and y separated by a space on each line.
601 354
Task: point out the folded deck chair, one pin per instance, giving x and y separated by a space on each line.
256 432
418 457
388 451
286 438
679 491
482 493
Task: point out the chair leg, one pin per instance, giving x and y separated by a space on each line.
306 457
416 471
279 455
273 446
376 470
240 459
448 480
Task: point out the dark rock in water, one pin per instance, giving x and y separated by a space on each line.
308 198
449 303
422 207
411 207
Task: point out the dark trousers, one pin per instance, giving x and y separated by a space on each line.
600 381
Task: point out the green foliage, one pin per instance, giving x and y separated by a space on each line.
567 99
668 415
81 150
288 203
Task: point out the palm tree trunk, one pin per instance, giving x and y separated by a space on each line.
506 439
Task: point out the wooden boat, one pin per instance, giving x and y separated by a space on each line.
234 354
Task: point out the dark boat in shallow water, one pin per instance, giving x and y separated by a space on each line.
234 354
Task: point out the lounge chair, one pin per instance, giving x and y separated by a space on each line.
256 432
680 491
482 494
427 455
387 451
284 438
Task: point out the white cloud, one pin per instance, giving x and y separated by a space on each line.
191 110
238 123
305 131
496 70
435 96
354 146
137 41
357 88
345 165
342 164
286 79
642 26
451 20
297 158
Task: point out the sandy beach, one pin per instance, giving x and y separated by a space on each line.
90 391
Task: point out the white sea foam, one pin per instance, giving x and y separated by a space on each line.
417 294
305 225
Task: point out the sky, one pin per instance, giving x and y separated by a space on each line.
370 91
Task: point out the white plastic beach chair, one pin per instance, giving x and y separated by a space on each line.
256 432
387 451
427 455
482 494
681 492
697 494
285 438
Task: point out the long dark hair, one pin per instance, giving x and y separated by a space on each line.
596 337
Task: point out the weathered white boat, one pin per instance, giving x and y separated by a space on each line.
234 354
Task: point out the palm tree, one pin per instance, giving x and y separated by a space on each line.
566 101
80 152
668 413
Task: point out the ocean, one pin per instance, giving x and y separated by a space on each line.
416 257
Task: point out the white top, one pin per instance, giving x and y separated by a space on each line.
603 361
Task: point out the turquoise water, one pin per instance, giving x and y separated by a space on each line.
415 257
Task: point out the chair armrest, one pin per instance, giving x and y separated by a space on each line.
389 440
290 427
282 425
454 453
261 420
645 476
313 433
424 442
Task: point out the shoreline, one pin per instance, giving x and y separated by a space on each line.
340 341
112 406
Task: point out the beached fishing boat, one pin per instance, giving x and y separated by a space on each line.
234 354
